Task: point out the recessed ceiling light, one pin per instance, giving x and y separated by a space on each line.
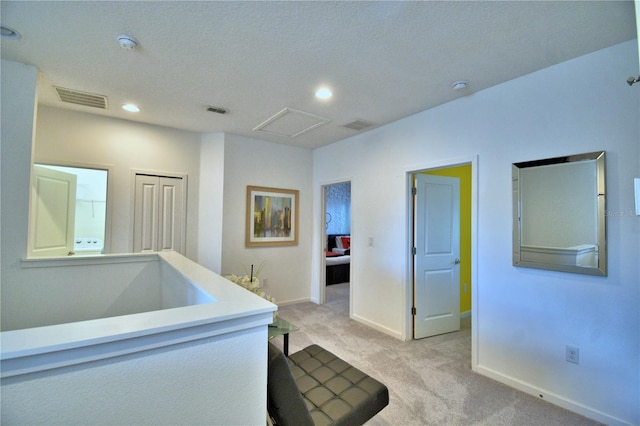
8 32
130 108
323 93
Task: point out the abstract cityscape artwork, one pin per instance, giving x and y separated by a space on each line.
272 217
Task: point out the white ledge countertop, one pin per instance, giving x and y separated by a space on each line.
222 307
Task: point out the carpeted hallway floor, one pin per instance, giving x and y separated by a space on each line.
430 380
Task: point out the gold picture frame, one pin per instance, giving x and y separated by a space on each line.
272 217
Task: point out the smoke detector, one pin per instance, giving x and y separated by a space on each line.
127 42
459 85
8 32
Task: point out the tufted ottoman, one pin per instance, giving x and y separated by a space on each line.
315 387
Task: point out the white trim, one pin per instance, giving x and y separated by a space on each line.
109 168
440 164
636 184
637 2
321 283
551 397
100 259
296 301
379 327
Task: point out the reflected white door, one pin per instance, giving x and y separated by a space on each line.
159 214
52 213
437 263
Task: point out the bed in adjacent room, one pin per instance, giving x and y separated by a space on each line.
338 258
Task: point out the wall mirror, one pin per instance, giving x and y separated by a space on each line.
559 214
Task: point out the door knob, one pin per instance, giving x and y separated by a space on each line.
457 261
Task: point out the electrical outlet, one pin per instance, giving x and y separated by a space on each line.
573 354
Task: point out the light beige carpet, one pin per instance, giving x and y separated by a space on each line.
430 380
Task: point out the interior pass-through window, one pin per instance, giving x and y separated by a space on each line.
68 211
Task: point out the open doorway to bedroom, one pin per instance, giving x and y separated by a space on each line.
337 245
442 240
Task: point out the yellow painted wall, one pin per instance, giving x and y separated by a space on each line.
464 173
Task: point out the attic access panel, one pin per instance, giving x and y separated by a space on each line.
291 123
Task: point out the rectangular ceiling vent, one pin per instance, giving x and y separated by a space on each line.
81 98
358 124
217 110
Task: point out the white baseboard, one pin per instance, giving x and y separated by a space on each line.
555 399
465 314
378 327
295 301
371 324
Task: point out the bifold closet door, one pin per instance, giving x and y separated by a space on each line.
159 214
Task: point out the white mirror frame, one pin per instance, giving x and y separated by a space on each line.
601 244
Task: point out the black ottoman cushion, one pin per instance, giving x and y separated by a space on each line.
335 392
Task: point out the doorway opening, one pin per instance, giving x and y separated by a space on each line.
441 233
336 242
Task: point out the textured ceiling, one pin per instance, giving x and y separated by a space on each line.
383 60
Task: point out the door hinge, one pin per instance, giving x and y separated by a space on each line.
413 310
414 190
414 251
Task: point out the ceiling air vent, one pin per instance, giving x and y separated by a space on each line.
358 124
81 98
217 110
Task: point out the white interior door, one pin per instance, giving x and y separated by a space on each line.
437 259
159 214
171 214
52 214
145 223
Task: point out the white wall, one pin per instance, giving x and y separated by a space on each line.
80 292
73 138
18 91
522 318
210 201
215 380
258 163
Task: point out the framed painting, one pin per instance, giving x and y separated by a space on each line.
272 217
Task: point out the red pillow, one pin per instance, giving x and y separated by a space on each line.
346 242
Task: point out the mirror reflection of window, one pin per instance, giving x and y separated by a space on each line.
86 221
559 205
558 214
